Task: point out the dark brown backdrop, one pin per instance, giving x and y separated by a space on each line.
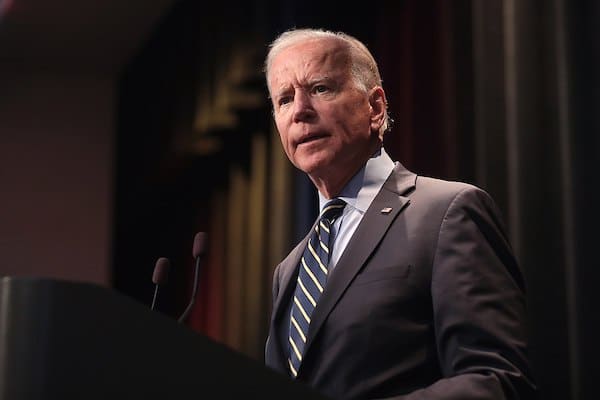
503 94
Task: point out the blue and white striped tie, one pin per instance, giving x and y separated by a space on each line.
312 277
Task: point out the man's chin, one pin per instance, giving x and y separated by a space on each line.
313 167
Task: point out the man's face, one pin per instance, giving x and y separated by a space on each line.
326 123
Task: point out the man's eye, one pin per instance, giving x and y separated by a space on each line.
284 100
320 89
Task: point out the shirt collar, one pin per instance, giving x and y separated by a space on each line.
360 191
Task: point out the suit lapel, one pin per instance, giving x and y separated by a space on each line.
287 285
388 203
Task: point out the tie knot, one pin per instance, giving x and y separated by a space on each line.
333 209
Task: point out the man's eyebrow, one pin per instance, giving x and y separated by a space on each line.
286 89
281 92
318 79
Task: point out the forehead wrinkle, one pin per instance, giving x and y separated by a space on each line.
308 69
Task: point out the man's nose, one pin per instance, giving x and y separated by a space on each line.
303 107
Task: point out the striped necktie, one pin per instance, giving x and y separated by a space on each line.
312 276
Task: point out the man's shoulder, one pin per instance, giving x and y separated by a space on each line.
442 191
430 190
452 194
404 180
443 185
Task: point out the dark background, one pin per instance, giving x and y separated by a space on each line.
495 93
499 93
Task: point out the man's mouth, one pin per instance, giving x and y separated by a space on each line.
311 138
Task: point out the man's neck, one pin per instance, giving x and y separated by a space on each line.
331 185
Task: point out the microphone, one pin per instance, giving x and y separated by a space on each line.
159 276
197 252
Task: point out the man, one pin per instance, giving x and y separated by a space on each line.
411 291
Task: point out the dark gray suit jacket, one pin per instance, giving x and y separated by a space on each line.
426 302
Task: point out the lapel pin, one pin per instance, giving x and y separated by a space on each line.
386 210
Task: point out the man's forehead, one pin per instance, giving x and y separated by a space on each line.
307 61
315 50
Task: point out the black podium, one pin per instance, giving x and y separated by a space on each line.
70 340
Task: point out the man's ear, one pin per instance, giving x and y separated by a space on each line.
378 104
